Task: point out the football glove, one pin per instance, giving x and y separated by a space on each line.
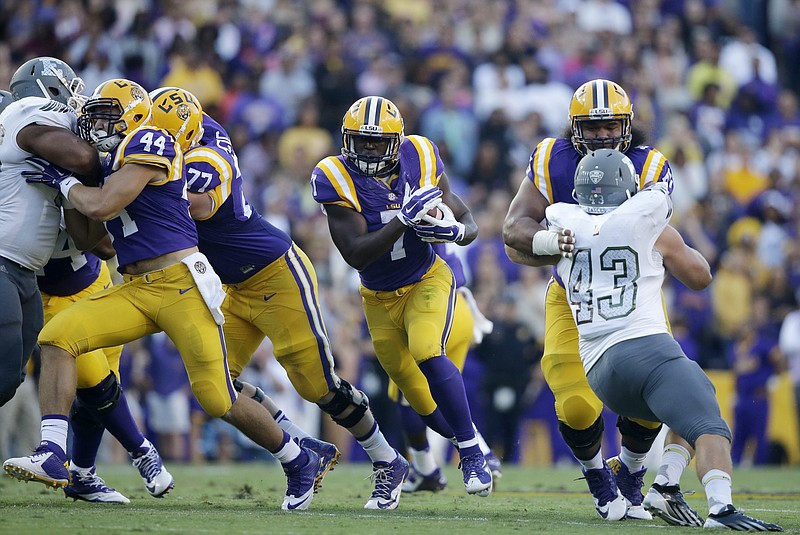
418 203
50 175
441 230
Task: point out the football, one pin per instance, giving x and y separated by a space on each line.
435 213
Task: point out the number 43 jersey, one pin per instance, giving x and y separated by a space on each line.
613 280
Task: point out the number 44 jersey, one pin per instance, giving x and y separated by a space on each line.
613 280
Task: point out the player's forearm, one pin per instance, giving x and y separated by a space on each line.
518 238
363 250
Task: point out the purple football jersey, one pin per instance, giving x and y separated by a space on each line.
157 221
236 239
69 270
334 181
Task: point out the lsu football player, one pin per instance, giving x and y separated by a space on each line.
169 286
469 327
271 291
600 116
377 194
70 275
613 280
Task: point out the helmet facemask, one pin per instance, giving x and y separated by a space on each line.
105 119
372 132
378 161
600 100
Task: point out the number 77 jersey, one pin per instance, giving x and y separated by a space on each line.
613 281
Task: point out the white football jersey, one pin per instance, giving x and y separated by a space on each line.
613 281
29 213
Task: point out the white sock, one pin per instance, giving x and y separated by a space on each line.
289 426
423 461
288 452
593 463
377 447
76 468
54 430
485 449
674 461
634 461
718 490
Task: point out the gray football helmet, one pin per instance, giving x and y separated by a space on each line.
604 179
46 77
5 99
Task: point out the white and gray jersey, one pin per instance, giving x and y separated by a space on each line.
613 281
29 213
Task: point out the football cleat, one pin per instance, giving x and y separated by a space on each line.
86 485
667 503
495 466
416 482
731 518
609 502
477 475
301 476
388 479
46 465
328 455
157 480
630 485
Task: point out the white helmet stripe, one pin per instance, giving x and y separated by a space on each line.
372 114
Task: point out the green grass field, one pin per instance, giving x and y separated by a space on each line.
246 499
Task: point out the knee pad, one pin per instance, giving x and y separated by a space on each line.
80 415
579 408
101 397
582 438
636 430
345 396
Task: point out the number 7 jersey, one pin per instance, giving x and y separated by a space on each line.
613 281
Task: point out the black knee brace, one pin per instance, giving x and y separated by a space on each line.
82 416
636 437
259 394
102 397
345 396
582 438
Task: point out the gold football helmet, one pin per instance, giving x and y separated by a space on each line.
372 131
600 100
178 112
115 109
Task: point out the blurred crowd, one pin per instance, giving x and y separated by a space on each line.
713 85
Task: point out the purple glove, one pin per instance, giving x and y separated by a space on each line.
447 229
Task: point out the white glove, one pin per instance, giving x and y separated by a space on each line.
418 203
446 229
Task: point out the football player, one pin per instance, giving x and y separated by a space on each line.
70 275
601 116
169 286
39 122
613 283
469 327
271 291
377 195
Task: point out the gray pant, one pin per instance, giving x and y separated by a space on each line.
21 319
652 379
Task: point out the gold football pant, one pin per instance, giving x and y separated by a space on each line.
163 300
411 325
94 366
281 301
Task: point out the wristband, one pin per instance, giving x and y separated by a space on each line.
66 185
